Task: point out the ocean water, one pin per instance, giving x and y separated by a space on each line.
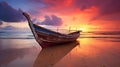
91 34
92 49
16 35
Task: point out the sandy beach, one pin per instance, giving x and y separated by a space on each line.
88 52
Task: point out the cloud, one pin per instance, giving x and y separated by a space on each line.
1 22
82 4
8 28
105 7
53 20
51 6
9 14
52 3
39 8
110 7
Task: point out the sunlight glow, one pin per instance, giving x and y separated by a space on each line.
84 28
20 25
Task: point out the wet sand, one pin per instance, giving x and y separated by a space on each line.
89 52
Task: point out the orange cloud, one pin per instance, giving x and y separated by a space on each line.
83 12
58 3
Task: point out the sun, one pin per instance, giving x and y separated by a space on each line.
84 28
81 29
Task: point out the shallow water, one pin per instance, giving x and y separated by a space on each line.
92 50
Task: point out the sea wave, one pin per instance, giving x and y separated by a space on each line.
92 34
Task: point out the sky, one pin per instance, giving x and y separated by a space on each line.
84 14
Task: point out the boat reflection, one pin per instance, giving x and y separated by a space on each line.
51 55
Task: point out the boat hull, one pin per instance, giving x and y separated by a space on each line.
47 40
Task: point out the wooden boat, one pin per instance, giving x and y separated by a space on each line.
46 37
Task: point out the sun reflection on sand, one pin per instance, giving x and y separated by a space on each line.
91 53
85 48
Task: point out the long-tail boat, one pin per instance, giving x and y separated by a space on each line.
46 37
